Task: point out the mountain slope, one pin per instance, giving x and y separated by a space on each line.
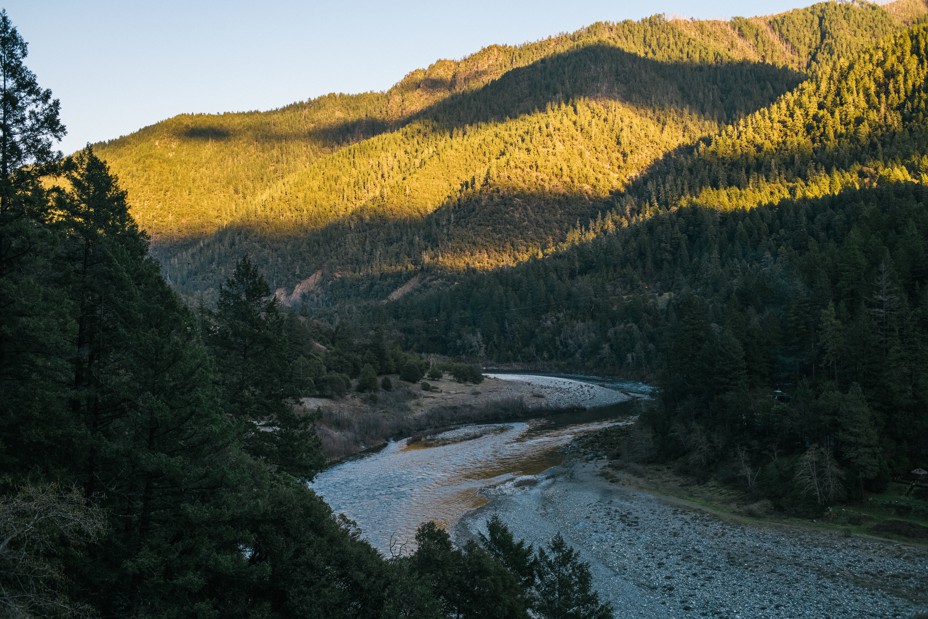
771 280
800 148
488 161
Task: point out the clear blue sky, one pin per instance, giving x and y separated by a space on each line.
119 65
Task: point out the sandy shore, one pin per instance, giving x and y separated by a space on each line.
653 558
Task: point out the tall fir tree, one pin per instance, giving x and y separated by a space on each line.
255 376
29 119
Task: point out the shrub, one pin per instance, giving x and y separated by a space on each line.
368 380
412 369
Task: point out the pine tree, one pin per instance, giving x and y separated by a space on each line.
246 334
29 122
34 312
564 585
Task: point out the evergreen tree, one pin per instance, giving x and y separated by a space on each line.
245 332
469 582
29 123
564 586
368 380
34 313
516 555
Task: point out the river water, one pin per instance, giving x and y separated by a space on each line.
390 493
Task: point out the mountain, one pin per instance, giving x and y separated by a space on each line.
734 211
505 156
856 126
770 279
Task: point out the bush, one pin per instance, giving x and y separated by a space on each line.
466 373
368 380
334 385
386 384
412 369
435 373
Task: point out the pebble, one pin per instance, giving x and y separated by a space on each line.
703 566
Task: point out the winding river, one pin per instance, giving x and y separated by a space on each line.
650 557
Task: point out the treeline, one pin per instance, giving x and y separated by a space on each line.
501 157
151 461
802 376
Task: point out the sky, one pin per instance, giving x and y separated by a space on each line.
120 65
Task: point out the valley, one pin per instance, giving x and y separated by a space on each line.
346 358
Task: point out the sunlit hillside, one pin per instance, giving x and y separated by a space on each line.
771 279
853 132
492 160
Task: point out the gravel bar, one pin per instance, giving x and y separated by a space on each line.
653 558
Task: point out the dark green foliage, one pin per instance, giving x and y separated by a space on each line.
35 317
412 369
466 373
844 361
469 582
246 335
299 561
563 585
558 582
516 555
29 122
368 380
334 385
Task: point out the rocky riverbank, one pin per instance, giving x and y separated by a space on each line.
652 557
357 422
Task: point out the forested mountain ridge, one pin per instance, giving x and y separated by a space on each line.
771 279
799 148
483 162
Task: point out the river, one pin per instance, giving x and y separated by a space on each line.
390 493
650 557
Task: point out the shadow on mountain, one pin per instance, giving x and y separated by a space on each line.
475 232
610 291
205 132
496 225
721 91
351 131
